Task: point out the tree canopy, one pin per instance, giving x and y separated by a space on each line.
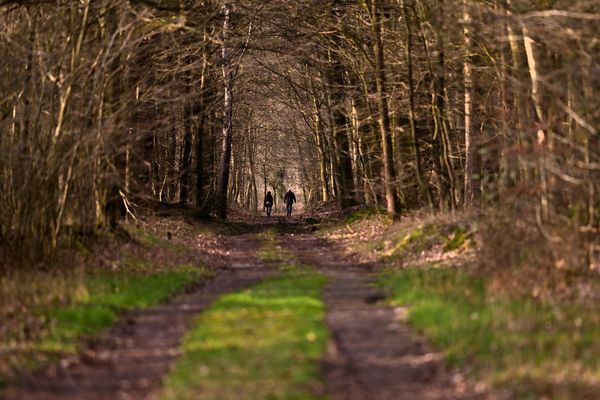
402 104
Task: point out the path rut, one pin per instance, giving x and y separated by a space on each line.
128 361
372 354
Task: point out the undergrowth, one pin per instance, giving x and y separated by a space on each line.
364 213
536 349
45 313
432 238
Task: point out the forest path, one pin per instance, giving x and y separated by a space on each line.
129 360
372 354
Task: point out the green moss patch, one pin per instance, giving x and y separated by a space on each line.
261 343
457 239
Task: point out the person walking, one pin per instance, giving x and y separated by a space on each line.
268 203
289 199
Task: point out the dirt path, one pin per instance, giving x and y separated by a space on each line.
130 360
372 354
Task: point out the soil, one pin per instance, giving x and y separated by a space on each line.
130 360
372 353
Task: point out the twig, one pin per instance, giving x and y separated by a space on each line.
127 204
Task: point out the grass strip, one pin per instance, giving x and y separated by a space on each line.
272 251
260 343
108 295
100 298
536 350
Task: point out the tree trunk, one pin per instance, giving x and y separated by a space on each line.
471 178
333 151
114 207
536 99
320 142
518 105
383 109
423 184
184 175
227 136
336 83
359 175
441 149
199 150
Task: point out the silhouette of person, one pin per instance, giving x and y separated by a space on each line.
268 203
289 199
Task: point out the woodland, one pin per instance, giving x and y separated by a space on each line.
443 105
484 111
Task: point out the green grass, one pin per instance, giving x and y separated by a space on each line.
95 301
261 343
108 295
271 250
537 350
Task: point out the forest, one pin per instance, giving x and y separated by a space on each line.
479 115
402 105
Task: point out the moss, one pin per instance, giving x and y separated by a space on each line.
457 239
260 343
417 240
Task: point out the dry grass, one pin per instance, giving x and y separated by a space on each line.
522 259
27 293
419 238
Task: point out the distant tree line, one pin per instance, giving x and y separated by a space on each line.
401 104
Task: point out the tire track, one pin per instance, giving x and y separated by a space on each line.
129 360
372 354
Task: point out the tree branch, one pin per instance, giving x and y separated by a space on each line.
161 5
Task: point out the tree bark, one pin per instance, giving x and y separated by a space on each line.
519 103
441 148
383 112
536 99
339 122
227 135
471 178
320 142
184 175
421 181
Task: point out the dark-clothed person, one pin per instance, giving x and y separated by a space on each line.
289 199
268 203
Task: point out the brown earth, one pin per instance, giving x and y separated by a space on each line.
372 353
129 360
